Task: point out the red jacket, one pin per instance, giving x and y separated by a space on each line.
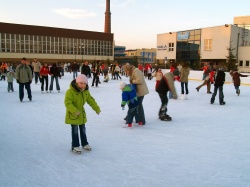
211 76
44 71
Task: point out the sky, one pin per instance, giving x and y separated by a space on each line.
135 23
204 145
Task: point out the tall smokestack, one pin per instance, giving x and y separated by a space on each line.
107 26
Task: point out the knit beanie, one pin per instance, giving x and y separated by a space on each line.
82 78
122 85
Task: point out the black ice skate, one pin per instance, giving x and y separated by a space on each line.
165 117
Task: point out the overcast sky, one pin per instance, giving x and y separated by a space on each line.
135 23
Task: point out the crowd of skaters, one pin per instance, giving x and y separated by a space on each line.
40 73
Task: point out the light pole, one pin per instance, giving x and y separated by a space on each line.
82 47
143 60
75 52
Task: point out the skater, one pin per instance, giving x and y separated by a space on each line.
54 73
44 72
75 98
206 81
96 74
136 77
166 84
86 69
158 76
36 68
184 73
129 97
117 71
24 77
236 80
10 77
75 68
218 84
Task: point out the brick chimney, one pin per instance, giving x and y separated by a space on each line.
107 25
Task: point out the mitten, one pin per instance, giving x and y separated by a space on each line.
17 81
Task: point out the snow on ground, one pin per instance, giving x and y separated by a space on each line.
204 146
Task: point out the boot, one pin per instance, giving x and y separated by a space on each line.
130 125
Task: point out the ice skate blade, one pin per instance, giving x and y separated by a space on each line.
78 152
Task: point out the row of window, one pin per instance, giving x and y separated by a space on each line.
18 43
242 64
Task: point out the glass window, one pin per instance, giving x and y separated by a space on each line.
247 63
170 46
241 63
208 44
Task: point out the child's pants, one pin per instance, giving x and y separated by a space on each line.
132 112
10 86
75 136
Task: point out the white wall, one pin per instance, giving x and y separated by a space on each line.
164 40
220 42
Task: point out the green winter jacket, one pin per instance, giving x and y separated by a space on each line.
74 102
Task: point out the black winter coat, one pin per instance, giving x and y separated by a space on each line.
220 78
86 71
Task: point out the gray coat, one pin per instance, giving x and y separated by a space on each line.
23 73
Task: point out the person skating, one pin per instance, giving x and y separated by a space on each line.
129 97
184 73
24 77
166 84
75 98
10 77
218 85
236 80
44 72
206 79
55 74
136 77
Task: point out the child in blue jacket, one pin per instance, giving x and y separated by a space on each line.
129 97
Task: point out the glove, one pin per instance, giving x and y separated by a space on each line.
30 82
123 107
17 81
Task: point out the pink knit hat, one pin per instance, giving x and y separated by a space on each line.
82 78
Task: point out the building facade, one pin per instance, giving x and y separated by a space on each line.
143 56
205 44
53 44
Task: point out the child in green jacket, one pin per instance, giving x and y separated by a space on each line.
75 98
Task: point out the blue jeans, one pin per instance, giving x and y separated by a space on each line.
44 79
132 112
221 95
75 136
237 88
141 114
74 74
51 83
21 91
37 77
170 95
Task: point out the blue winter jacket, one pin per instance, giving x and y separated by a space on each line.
129 96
